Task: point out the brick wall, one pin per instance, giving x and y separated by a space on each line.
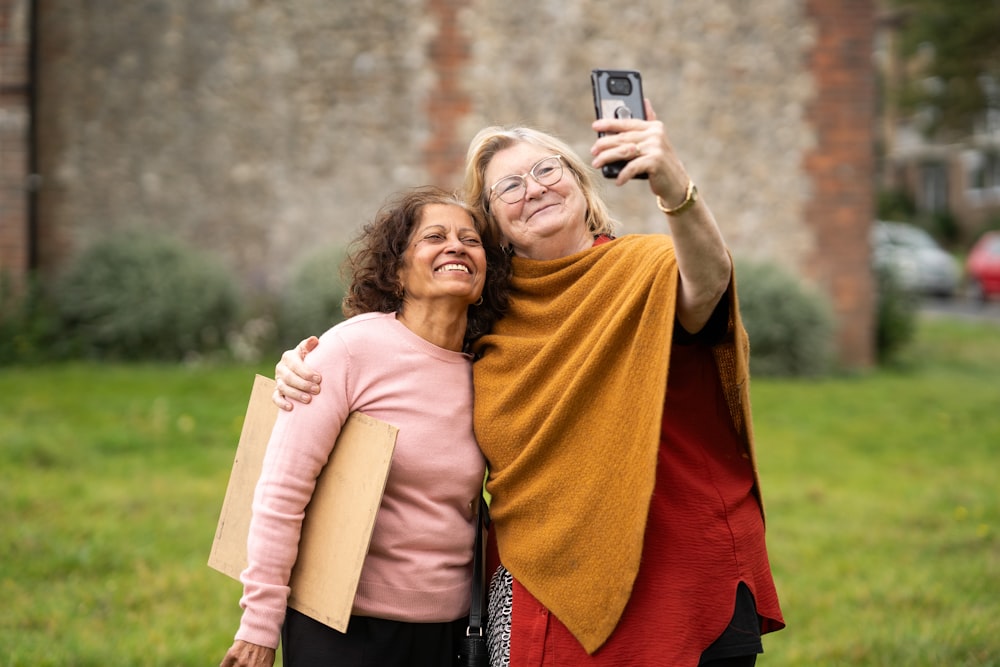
841 168
448 102
14 129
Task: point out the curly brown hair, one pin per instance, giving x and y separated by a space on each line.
376 258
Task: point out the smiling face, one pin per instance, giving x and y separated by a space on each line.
550 221
444 259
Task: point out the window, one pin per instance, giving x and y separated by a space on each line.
933 195
983 178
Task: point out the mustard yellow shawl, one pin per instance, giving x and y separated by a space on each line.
568 403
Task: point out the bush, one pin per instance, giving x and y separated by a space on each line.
790 327
312 297
895 316
944 227
895 205
137 296
28 323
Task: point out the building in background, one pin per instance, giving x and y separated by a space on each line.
952 181
262 130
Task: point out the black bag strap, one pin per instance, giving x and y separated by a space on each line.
479 571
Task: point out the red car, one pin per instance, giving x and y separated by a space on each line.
982 268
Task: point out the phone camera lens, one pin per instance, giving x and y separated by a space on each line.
619 85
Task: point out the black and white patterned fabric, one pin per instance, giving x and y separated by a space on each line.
501 602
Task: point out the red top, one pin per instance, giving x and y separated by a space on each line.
704 535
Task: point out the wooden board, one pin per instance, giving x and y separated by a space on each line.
339 520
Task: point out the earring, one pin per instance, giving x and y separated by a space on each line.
479 302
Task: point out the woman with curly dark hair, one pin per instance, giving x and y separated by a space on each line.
377 256
424 285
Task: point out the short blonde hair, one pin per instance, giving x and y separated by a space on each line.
491 140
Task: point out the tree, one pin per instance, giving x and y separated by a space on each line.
951 55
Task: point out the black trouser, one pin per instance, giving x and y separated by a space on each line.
740 641
738 661
368 642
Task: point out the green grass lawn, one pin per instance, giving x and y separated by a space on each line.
883 507
883 513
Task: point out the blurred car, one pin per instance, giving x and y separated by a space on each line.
982 268
914 258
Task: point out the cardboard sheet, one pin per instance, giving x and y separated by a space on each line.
339 520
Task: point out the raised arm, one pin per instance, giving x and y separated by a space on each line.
295 380
702 257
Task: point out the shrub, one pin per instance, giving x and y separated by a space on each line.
313 295
138 296
895 316
944 227
28 323
790 326
895 205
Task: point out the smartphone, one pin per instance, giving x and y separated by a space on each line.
617 94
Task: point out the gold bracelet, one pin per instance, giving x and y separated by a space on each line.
690 197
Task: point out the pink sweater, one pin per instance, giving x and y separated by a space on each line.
418 566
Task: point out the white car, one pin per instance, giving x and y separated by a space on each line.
916 260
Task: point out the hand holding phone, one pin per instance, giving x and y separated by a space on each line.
617 94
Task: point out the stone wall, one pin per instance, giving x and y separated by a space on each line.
260 130
257 130
728 79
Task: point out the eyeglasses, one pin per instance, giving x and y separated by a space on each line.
511 189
